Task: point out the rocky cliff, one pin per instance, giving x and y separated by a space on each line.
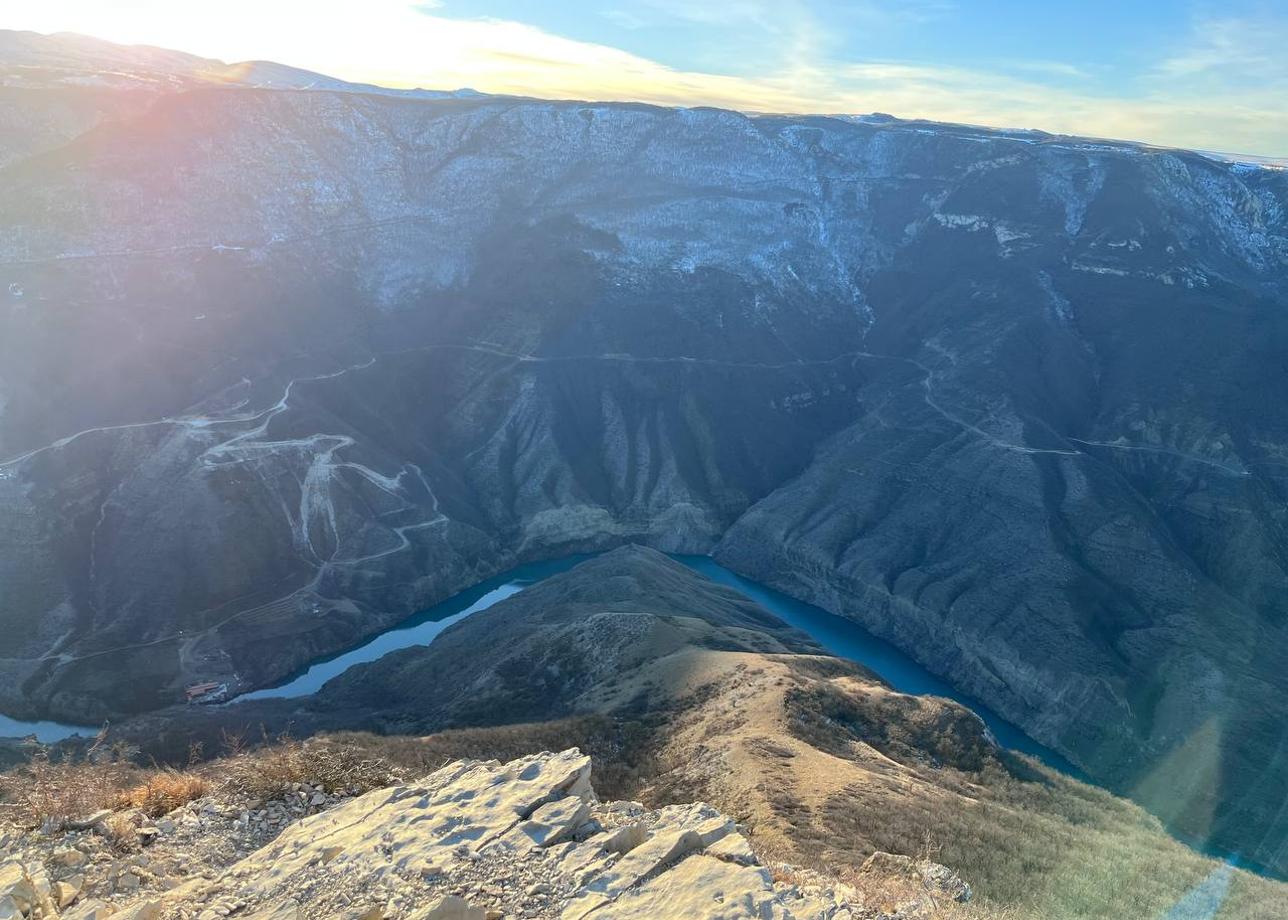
472 841
280 367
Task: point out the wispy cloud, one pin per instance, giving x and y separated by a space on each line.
808 80
624 19
1058 69
1223 88
729 12
1246 51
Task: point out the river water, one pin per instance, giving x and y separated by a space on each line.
847 639
839 636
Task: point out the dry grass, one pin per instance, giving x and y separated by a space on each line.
51 792
1035 846
1033 843
276 768
898 892
164 791
902 897
621 751
1053 850
45 791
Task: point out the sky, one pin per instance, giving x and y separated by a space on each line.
1187 73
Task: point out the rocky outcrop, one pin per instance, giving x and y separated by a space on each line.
24 890
479 840
523 839
936 880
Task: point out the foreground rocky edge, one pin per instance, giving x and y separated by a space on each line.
475 841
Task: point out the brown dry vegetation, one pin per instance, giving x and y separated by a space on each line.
55 791
334 765
49 790
622 751
1025 836
842 769
1028 838
165 790
823 769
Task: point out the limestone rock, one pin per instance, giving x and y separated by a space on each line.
936 880
288 909
554 822
11 878
645 859
69 858
475 840
25 886
66 891
945 881
146 910
451 908
92 820
462 807
89 910
733 848
699 888
626 838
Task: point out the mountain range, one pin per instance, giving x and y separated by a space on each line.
284 360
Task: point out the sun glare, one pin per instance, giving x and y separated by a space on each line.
402 43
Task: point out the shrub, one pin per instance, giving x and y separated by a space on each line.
45 791
165 791
271 770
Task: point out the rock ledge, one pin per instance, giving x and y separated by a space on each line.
485 841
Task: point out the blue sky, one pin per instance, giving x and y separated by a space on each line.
1110 46
1188 73
746 37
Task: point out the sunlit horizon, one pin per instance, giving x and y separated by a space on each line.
1215 84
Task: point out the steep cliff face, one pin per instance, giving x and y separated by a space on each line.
278 368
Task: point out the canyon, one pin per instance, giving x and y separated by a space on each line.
280 366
